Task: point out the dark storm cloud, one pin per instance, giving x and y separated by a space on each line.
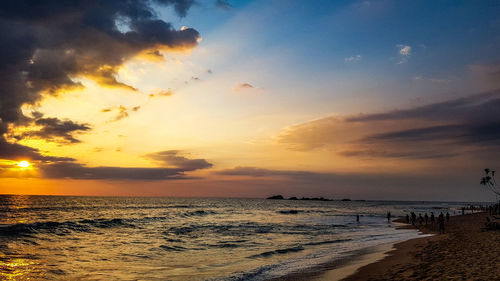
436 130
53 128
174 158
43 44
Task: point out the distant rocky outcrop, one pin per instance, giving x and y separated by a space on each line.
280 197
276 197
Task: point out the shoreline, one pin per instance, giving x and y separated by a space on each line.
464 251
341 268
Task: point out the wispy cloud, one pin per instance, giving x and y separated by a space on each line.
121 111
56 129
355 58
246 88
435 130
161 93
178 159
404 53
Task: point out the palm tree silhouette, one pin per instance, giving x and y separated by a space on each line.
489 181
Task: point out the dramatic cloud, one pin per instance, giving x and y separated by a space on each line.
45 44
432 131
174 158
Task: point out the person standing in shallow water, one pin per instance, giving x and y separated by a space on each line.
433 219
357 218
447 217
441 223
388 217
407 219
426 218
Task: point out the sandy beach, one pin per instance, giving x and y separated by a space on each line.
464 252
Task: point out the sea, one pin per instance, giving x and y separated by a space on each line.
137 238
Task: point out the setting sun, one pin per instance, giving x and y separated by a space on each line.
23 164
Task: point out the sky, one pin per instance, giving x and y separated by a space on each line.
222 98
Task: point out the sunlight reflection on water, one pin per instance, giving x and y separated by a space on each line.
81 238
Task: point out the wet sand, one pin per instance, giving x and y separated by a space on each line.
464 252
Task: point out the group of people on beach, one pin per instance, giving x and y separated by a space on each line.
412 217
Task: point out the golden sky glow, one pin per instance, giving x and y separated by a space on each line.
296 104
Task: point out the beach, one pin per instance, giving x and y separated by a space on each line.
464 252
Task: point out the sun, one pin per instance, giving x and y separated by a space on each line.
23 164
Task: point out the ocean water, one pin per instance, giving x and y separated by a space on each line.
116 238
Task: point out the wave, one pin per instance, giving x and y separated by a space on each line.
173 248
60 228
327 242
277 252
197 213
181 230
290 212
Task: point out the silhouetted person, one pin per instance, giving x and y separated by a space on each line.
420 219
463 211
426 218
389 217
413 218
433 219
447 217
441 223
407 219
357 218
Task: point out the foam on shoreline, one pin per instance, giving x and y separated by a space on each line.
340 268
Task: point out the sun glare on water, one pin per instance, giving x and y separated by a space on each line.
23 164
